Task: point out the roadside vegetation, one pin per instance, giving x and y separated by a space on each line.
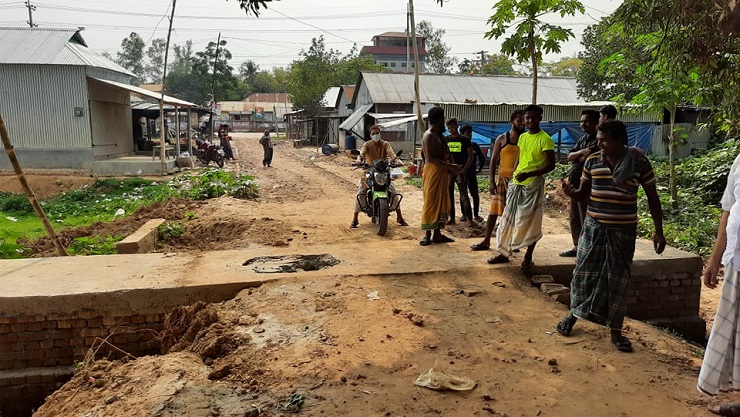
106 200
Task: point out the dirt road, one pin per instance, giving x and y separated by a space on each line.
353 345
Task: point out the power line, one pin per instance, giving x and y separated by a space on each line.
315 27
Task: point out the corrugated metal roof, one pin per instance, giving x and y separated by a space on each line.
146 93
269 98
331 97
355 117
349 91
389 87
50 47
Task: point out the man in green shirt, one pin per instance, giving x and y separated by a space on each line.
521 223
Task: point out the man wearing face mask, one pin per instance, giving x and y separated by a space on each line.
376 148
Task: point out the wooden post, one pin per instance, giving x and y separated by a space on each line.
165 132
27 188
419 116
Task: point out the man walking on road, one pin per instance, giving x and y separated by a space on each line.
521 222
435 180
504 156
606 246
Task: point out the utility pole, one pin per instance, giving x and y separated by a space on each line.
408 19
164 130
213 86
31 8
482 61
419 115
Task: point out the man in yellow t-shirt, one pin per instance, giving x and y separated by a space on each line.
521 223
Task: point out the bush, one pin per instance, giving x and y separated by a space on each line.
94 245
15 203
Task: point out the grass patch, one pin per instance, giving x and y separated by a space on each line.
105 200
94 245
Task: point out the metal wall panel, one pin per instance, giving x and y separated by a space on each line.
555 113
38 104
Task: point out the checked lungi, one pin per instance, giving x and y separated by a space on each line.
602 273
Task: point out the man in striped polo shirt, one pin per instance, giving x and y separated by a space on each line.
611 178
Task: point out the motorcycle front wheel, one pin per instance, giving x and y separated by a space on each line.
220 161
381 225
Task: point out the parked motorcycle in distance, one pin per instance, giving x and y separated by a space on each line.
377 202
207 152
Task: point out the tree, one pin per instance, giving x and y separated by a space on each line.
499 64
253 6
131 55
565 67
465 67
532 36
319 69
597 79
155 67
437 59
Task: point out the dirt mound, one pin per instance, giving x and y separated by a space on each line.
171 210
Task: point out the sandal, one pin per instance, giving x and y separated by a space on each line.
498 259
570 253
425 241
565 327
478 247
402 222
443 239
729 409
623 344
354 225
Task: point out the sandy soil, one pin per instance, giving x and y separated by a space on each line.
328 347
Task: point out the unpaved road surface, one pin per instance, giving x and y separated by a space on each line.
353 345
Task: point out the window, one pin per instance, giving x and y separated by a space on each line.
403 65
393 64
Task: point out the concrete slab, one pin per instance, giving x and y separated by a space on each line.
69 284
144 240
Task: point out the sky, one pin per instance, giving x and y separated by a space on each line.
277 37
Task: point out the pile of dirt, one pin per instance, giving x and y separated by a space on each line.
335 346
171 210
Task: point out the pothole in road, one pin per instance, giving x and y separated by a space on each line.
290 263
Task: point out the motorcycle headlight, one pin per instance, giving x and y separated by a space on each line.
381 178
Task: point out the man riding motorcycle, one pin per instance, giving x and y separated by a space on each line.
373 149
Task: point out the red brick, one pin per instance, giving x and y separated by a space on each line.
20 364
79 323
34 326
8 338
94 322
138 319
18 327
64 324
61 342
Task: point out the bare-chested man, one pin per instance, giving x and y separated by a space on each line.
435 176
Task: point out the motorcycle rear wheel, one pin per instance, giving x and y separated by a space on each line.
220 161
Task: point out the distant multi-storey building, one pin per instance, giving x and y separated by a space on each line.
395 51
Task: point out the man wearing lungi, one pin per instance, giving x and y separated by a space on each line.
435 180
521 223
610 180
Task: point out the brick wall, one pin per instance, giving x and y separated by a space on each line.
664 292
38 353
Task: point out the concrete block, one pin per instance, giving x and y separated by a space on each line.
143 240
553 289
538 280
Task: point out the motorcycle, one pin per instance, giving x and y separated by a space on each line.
207 152
377 202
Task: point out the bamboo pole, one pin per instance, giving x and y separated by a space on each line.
164 130
419 115
27 188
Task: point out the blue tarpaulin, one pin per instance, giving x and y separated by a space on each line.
564 134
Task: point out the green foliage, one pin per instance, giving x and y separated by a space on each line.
318 69
531 35
560 172
169 231
495 64
437 60
94 245
106 199
15 203
131 55
212 183
701 181
565 67
414 181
